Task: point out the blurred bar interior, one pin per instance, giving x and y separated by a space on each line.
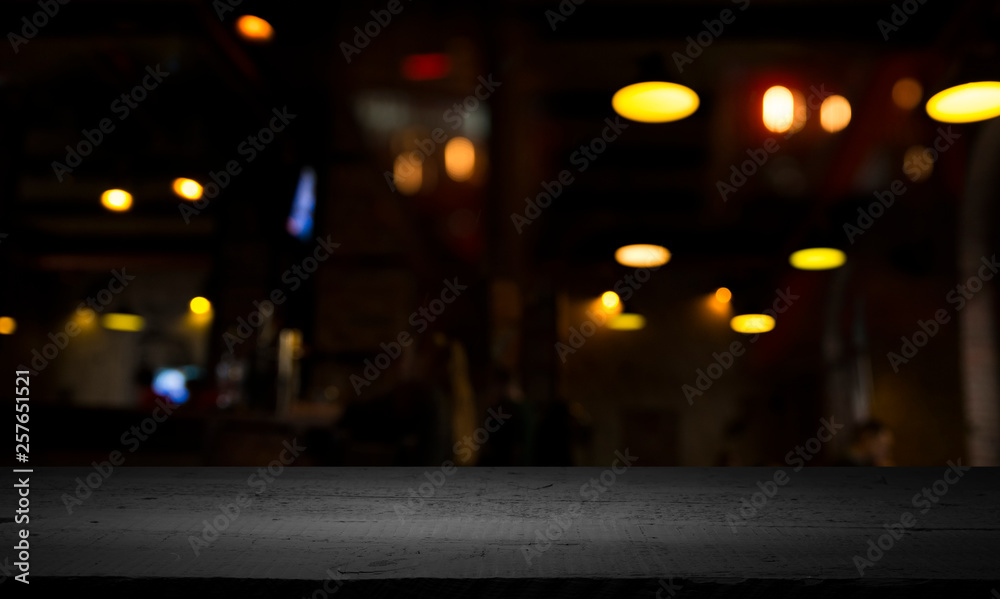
503 233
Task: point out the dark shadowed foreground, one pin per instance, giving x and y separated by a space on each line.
505 532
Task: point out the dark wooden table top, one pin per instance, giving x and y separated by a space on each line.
654 526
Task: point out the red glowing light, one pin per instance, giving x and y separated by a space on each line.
424 67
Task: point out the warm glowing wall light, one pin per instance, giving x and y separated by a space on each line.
834 113
642 255
189 189
627 322
778 109
123 322
906 93
723 295
408 173
116 200
966 103
752 323
817 258
459 158
254 29
655 102
7 325
200 305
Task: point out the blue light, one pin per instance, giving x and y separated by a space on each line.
171 383
300 221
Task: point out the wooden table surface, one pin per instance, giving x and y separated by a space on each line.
650 528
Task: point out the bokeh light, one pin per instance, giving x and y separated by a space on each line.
966 103
642 255
906 93
200 305
817 258
7 325
918 163
425 67
610 299
408 173
116 200
627 322
800 112
130 323
655 102
459 158
189 189
834 113
254 29
752 323
172 384
84 318
778 109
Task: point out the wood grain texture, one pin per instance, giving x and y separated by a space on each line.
651 524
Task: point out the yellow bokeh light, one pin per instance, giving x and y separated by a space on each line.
723 295
123 322
966 103
408 173
627 322
817 258
7 325
642 255
200 305
116 200
459 158
655 102
189 189
834 113
84 318
778 109
906 93
752 323
610 299
254 29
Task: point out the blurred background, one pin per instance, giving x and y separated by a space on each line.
392 231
